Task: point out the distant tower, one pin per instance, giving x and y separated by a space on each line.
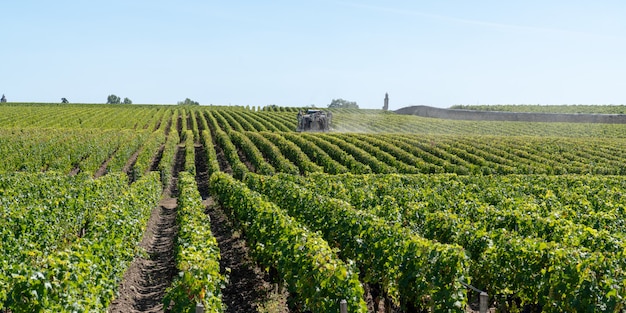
386 106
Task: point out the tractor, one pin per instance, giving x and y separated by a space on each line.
314 121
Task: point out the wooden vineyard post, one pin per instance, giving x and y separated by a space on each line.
199 308
483 305
484 302
343 306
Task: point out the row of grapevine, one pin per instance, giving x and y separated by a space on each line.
292 152
125 150
225 146
222 122
406 266
341 156
275 108
270 152
363 122
206 140
230 153
247 122
253 155
66 248
283 122
360 155
522 233
211 156
385 162
468 155
190 157
197 255
432 150
572 210
405 161
79 116
39 200
553 242
316 154
148 154
148 118
194 126
166 164
312 271
66 150
233 122
177 120
254 122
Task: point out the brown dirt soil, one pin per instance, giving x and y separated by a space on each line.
189 121
103 167
198 118
221 159
156 126
154 165
377 303
128 167
75 171
166 130
244 160
76 168
172 189
248 285
202 171
179 126
144 283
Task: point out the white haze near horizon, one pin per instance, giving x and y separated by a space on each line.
291 53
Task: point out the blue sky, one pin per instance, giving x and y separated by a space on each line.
298 53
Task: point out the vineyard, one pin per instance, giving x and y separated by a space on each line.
388 212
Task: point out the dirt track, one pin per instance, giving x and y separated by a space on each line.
149 275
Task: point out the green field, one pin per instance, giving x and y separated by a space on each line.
532 213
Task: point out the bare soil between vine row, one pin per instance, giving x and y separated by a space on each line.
144 283
248 286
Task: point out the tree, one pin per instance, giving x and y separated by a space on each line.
113 99
188 102
127 101
64 100
344 104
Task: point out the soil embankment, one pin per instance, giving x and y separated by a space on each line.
473 115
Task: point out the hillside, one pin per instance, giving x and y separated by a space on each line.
536 108
388 212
